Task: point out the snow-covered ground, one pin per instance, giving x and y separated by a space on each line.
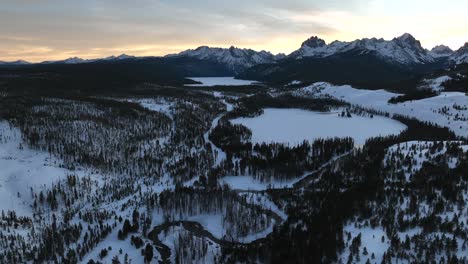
155 105
219 81
172 240
371 239
264 201
435 84
419 152
115 246
249 183
22 168
440 109
293 126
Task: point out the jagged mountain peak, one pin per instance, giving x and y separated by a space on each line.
402 50
407 40
441 48
314 42
441 51
407 37
236 59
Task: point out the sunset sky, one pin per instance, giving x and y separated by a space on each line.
37 30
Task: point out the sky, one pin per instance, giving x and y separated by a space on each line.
38 30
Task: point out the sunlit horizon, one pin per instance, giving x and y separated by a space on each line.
49 30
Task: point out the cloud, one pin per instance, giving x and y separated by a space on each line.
53 29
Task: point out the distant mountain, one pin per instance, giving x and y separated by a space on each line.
369 63
441 51
403 54
76 60
405 50
235 59
13 63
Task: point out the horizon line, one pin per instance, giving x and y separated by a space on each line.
90 59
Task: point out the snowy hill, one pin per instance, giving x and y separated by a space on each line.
234 58
404 50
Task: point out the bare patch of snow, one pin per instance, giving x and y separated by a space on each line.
22 168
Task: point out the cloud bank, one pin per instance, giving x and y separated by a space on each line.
39 30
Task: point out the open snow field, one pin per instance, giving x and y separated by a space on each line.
155 105
22 168
440 109
219 81
293 126
371 239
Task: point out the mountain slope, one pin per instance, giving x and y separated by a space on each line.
368 63
461 55
364 70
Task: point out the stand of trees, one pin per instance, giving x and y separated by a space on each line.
413 95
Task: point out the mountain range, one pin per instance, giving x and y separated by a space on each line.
401 50
362 62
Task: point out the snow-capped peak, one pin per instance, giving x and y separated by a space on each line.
120 57
73 60
407 37
403 50
441 51
408 41
235 58
317 47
